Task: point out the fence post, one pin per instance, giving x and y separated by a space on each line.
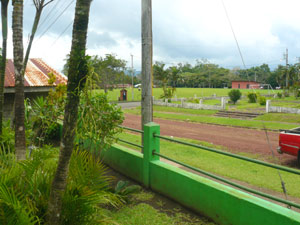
268 104
151 144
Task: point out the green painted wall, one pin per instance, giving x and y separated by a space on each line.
223 204
126 161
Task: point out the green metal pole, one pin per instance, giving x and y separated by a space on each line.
151 143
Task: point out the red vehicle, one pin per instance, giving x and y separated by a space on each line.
289 142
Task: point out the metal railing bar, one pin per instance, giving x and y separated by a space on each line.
131 129
282 168
127 142
289 203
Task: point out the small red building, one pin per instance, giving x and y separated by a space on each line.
245 85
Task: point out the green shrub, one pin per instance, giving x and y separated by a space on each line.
279 95
234 95
98 122
25 188
286 93
262 100
7 139
252 97
194 100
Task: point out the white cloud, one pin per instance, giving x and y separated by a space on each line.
183 30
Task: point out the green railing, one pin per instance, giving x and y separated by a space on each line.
149 147
130 143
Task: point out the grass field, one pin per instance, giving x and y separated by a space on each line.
180 93
269 121
249 173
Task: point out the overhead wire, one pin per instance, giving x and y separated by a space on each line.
46 18
62 33
64 10
266 132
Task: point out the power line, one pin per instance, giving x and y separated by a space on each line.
56 19
46 18
62 33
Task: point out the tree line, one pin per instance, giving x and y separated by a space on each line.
208 75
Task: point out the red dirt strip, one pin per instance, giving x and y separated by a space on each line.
232 138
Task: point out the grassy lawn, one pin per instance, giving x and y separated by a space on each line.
180 93
206 116
154 211
235 169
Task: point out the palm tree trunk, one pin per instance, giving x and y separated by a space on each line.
4 4
17 25
76 73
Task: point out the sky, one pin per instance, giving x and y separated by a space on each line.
183 31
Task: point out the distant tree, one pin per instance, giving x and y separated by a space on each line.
110 70
174 74
234 95
160 74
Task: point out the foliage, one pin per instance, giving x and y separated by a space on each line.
25 200
7 138
87 189
234 95
109 70
42 114
262 100
98 119
124 190
252 96
168 92
194 100
279 95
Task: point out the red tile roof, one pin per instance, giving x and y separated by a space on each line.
36 74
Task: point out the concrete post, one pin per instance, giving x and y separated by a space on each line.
201 101
151 144
182 102
268 104
195 96
223 102
175 98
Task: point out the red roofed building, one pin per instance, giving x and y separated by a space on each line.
35 82
245 85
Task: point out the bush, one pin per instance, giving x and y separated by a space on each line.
286 93
279 94
252 97
25 200
234 95
194 100
262 100
98 122
7 139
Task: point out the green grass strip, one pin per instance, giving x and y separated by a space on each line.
250 173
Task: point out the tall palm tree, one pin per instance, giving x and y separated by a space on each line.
20 67
77 71
4 4
17 26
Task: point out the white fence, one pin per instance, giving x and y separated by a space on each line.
279 109
188 105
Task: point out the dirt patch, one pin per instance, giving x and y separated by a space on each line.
234 139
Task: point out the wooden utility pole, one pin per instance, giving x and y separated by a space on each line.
147 101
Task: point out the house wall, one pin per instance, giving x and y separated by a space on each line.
9 102
243 85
